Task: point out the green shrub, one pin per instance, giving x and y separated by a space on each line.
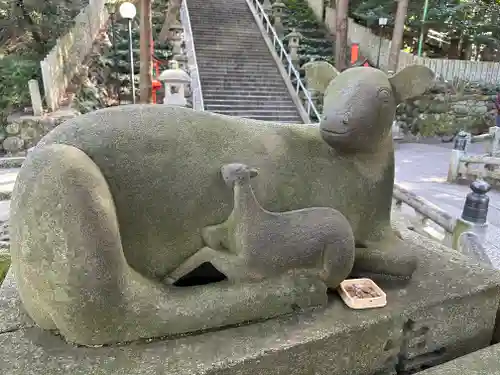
16 71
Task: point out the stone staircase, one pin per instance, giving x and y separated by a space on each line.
238 74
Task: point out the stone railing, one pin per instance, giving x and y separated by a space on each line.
196 92
469 167
292 74
466 234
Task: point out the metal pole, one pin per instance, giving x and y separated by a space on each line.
424 18
131 59
379 46
115 57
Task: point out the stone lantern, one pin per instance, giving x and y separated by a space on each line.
278 9
175 81
266 5
293 45
176 31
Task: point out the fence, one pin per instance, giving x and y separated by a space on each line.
369 43
466 235
469 167
62 62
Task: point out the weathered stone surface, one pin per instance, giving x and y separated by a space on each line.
132 188
256 244
447 310
482 362
12 314
13 128
13 144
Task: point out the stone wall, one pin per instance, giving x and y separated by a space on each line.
449 108
24 131
317 8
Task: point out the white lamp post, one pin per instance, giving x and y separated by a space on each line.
128 11
382 22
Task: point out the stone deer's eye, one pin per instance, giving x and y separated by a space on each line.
384 94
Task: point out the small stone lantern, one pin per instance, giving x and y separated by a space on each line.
266 5
293 45
278 9
176 31
175 81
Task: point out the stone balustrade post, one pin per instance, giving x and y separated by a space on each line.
462 141
474 214
494 141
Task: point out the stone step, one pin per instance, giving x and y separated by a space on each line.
242 106
250 44
242 81
231 102
258 112
237 19
250 64
234 54
243 96
236 74
233 89
219 50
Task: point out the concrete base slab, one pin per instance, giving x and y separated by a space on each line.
447 310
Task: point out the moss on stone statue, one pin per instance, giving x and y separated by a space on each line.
4 265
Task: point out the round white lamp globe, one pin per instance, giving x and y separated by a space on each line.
127 10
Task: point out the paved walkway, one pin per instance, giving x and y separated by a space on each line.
422 169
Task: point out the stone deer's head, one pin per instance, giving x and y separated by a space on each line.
359 104
237 173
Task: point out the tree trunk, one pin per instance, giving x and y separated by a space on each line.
146 63
397 35
173 9
454 48
341 34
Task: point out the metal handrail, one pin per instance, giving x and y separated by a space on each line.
257 7
197 93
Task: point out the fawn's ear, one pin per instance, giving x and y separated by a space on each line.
410 82
254 172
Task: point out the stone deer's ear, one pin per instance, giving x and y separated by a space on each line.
410 82
318 75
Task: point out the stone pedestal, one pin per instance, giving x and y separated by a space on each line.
482 362
447 310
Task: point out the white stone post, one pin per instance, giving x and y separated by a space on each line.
462 141
36 97
494 142
174 81
456 156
